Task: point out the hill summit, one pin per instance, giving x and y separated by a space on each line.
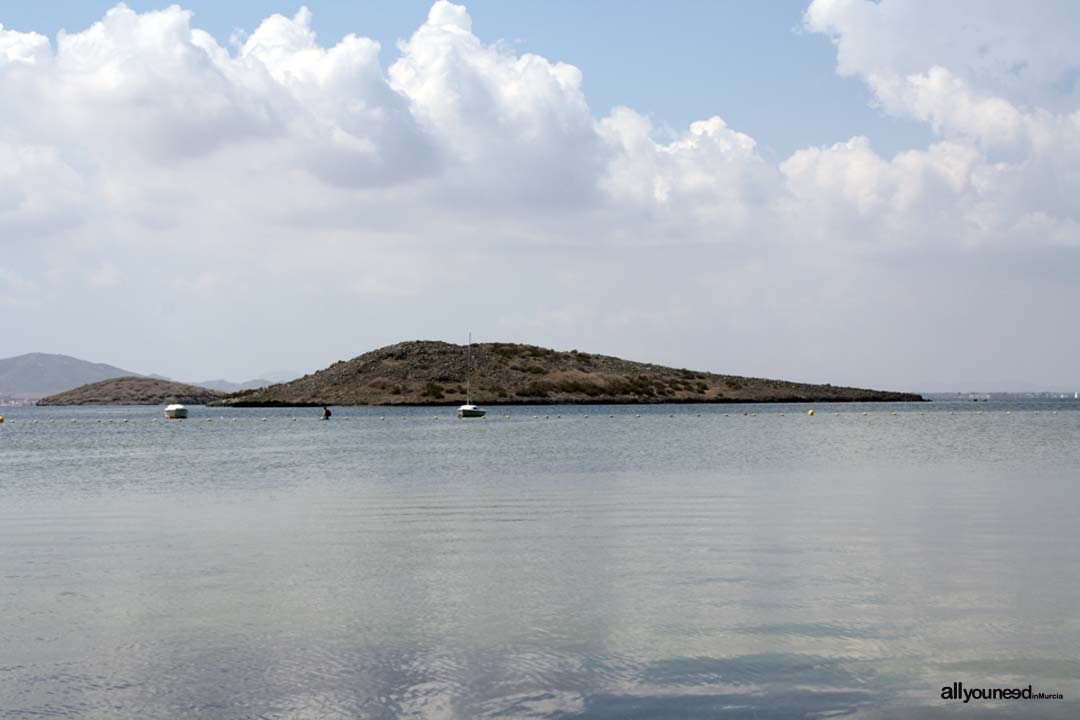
424 372
133 391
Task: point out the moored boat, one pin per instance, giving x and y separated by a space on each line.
175 412
468 410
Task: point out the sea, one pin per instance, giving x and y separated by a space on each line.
693 561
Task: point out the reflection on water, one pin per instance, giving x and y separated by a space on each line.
690 562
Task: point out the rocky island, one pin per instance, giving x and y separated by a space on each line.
134 391
434 373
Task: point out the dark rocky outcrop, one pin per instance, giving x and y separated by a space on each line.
134 391
434 373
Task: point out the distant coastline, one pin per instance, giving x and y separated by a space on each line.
431 373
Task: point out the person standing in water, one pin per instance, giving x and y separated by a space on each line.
325 413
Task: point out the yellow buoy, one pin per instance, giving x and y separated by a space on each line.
810 412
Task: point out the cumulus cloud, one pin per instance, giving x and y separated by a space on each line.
516 127
996 81
22 47
710 176
299 194
997 47
917 198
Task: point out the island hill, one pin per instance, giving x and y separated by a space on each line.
434 373
134 391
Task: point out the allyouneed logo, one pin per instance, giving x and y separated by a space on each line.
957 691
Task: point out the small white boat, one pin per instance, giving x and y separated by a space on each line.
175 412
468 410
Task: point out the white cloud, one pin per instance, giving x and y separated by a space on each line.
346 204
1026 53
915 199
39 192
989 79
515 129
26 48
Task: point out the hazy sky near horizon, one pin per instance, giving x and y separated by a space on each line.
879 194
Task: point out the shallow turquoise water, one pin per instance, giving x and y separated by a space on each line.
663 562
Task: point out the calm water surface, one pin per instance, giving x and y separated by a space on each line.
664 562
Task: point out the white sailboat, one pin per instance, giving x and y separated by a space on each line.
468 410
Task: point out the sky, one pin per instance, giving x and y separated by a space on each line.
879 194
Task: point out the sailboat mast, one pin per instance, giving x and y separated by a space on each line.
468 379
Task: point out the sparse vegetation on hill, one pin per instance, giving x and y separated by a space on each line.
134 391
434 373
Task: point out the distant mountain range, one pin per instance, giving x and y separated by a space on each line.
36 375
227 386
